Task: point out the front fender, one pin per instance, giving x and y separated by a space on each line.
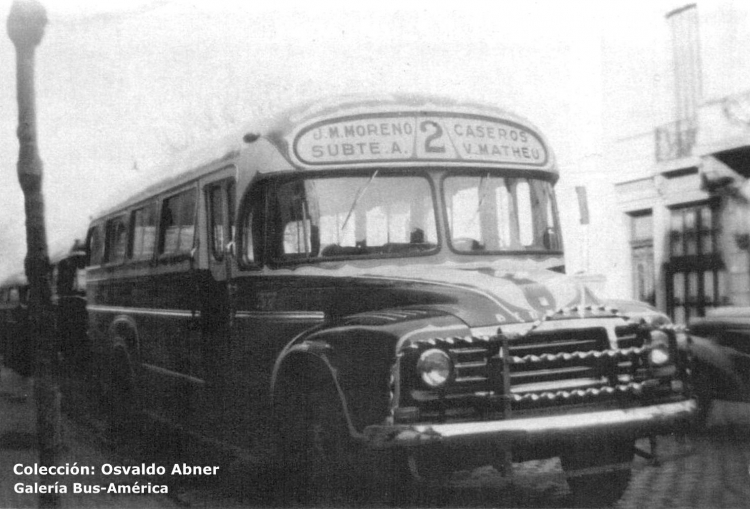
358 364
706 351
312 350
359 354
308 354
722 362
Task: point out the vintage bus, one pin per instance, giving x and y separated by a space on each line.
14 345
68 300
68 277
373 279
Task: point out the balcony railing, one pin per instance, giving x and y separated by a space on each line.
675 140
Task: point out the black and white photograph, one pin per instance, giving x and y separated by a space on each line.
374 254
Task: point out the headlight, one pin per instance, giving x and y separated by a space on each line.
434 367
659 354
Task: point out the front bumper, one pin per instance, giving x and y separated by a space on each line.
635 422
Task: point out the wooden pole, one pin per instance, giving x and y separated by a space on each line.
26 23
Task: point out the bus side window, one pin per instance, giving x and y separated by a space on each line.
216 218
116 238
177 223
95 246
79 285
143 242
252 222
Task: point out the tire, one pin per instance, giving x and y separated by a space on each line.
392 482
598 489
704 389
319 459
124 419
323 465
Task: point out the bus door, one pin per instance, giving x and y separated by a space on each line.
217 303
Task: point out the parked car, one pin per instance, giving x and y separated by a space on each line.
720 347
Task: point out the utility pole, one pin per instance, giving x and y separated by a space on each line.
26 23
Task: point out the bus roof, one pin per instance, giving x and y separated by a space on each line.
373 130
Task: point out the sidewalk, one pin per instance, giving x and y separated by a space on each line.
18 447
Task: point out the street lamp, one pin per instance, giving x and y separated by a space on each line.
26 23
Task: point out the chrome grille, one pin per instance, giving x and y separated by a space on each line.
542 369
556 356
470 364
628 337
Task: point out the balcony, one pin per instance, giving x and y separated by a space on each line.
675 140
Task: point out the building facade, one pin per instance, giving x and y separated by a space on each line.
685 211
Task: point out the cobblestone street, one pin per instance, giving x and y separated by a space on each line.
706 471
710 470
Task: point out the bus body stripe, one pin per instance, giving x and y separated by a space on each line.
186 313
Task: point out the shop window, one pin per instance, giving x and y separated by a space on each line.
696 279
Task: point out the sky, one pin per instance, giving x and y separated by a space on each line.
124 85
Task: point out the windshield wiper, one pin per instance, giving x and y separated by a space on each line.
360 194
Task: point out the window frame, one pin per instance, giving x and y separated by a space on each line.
638 245
699 263
123 220
251 201
161 233
226 191
154 204
523 175
257 196
98 229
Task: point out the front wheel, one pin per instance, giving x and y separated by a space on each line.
323 464
124 419
318 454
599 473
705 387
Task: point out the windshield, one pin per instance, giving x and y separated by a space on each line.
361 215
487 212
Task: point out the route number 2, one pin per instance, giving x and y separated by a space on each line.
429 141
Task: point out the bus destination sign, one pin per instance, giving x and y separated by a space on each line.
448 137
